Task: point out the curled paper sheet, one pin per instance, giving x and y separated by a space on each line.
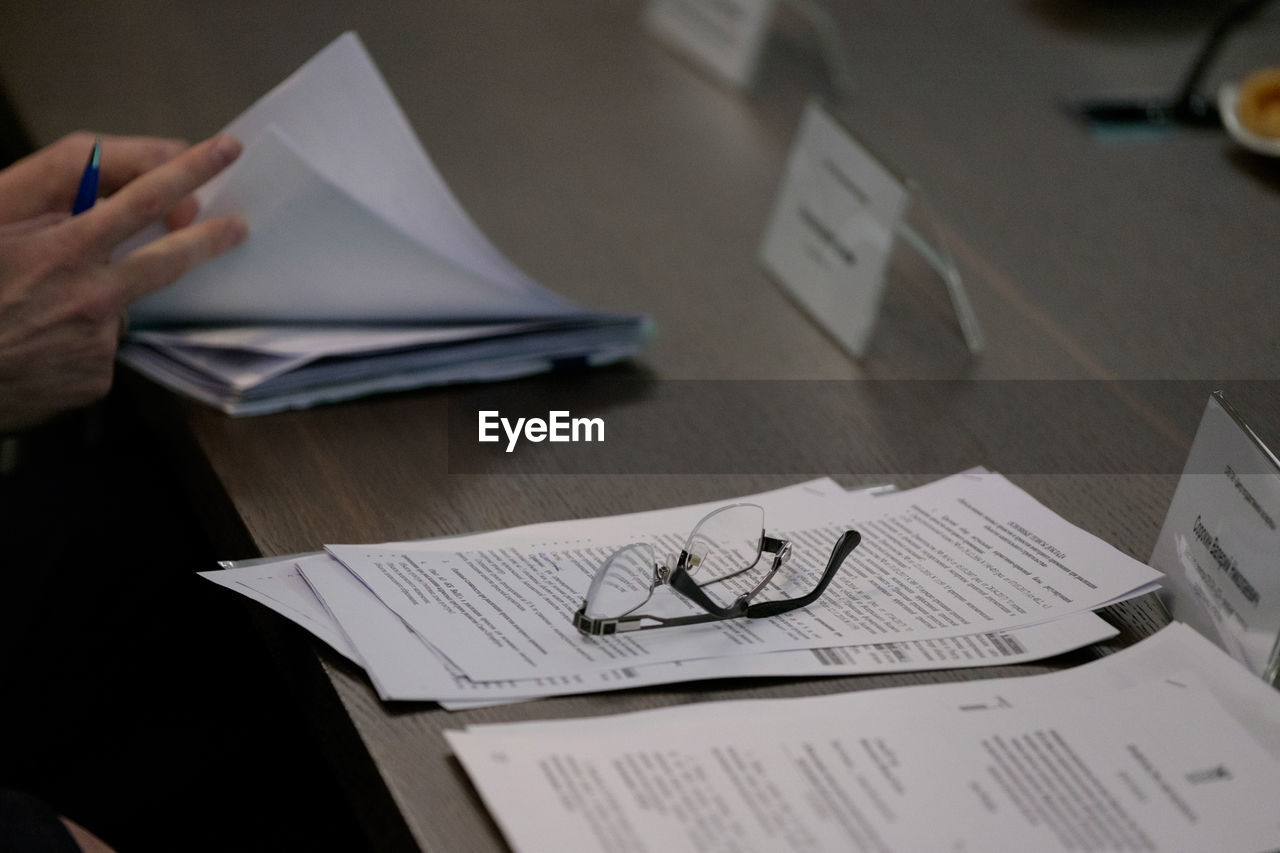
351 222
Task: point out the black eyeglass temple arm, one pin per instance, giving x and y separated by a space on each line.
843 548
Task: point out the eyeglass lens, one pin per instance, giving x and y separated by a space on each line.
622 583
726 546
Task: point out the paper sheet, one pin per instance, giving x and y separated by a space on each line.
319 253
248 382
1173 649
279 586
351 225
403 667
350 220
342 119
966 555
1094 758
242 357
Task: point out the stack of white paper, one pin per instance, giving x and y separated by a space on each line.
1166 746
351 227
967 571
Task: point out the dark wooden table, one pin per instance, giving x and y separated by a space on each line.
1117 283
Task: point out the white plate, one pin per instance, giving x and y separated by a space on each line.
1228 97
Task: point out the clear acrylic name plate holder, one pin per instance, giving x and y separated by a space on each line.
1219 547
837 216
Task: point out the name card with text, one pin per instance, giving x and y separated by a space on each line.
832 228
1220 546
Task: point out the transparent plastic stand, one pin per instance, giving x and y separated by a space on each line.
839 213
932 248
1219 543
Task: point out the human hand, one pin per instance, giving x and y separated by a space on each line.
46 181
63 298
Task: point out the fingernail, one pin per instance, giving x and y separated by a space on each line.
225 149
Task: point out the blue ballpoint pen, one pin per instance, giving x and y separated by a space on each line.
87 194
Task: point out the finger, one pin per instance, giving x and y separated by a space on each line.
154 194
127 157
163 261
35 223
45 180
52 174
183 214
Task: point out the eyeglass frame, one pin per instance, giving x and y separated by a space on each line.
679 580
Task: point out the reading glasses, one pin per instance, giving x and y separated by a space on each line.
721 570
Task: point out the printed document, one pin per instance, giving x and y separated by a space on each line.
966 555
324 597
403 667
353 227
1113 755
